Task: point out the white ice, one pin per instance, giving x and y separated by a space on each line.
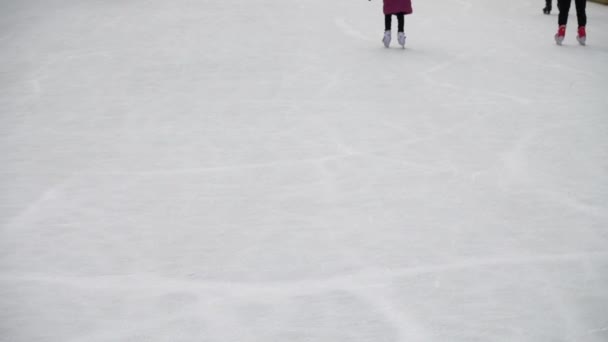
257 170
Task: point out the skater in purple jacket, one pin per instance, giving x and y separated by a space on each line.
400 8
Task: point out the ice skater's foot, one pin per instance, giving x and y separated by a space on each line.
560 35
401 39
582 35
547 10
387 38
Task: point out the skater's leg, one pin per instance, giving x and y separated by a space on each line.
387 22
401 21
401 34
582 21
564 9
547 9
581 12
387 30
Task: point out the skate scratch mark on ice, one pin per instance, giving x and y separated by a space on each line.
464 5
570 323
332 83
58 58
573 203
425 167
341 146
469 103
516 161
562 67
349 30
514 98
430 79
329 183
87 54
435 131
50 194
598 330
352 281
430 169
183 171
407 328
433 135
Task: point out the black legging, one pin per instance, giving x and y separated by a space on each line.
548 2
564 8
389 18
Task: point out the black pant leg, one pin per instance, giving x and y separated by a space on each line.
401 21
548 3
564 9
581 12
387 22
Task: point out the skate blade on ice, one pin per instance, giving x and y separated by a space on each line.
401 40
582 40
387 39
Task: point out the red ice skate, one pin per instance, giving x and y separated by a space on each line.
582 35
560 35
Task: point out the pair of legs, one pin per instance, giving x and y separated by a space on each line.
564 9
389 18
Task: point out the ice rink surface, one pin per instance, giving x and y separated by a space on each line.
239 171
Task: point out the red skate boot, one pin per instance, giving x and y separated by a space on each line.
560 35
582 35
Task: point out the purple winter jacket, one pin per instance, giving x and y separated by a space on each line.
397 6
